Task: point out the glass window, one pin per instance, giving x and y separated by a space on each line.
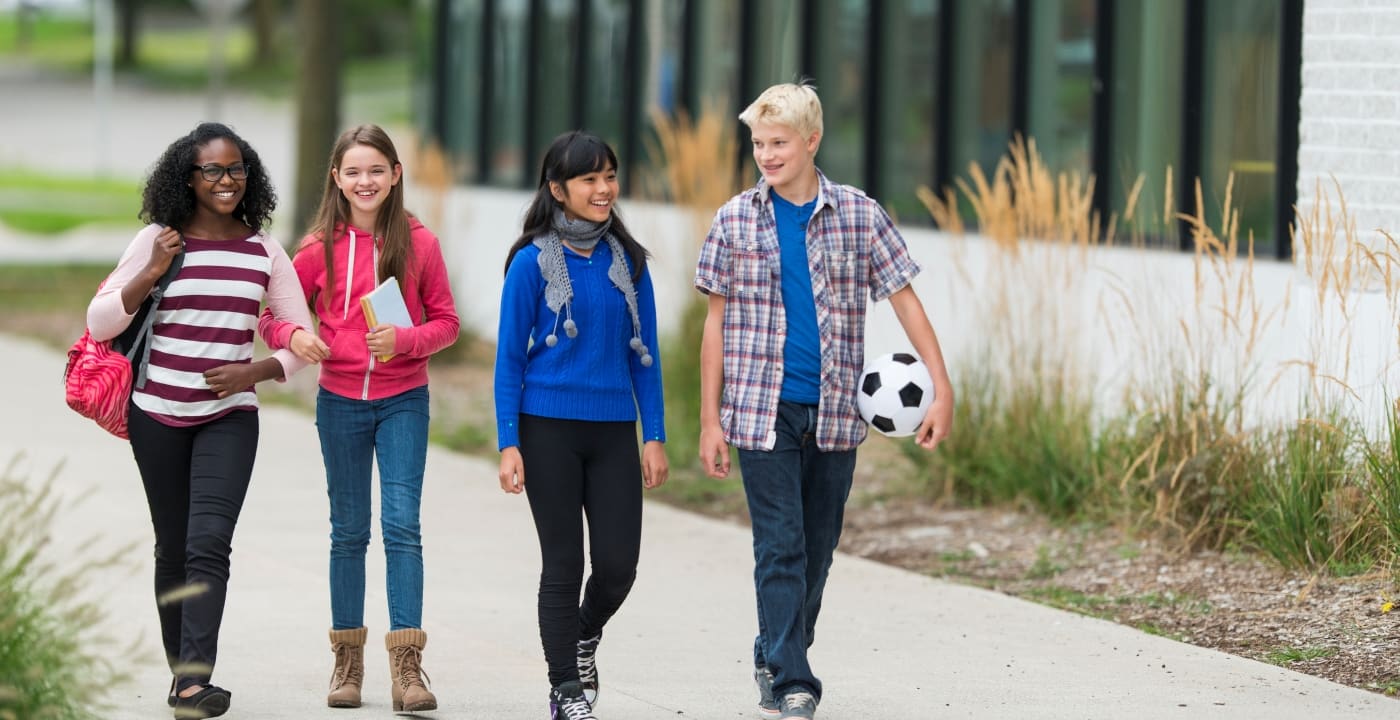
907 85
1061 84
840 77
663 41
507 109
1241 97
603 101
555 60
1146 135
463 130
716 57
982 85
777 25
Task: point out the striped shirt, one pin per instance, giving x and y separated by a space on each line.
207 319
852 249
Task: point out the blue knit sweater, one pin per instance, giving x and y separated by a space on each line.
594 376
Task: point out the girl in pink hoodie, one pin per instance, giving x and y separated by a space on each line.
369 406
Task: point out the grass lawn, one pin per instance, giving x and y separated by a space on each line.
43 204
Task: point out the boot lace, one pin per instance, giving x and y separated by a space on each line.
587 661
346 670
409 660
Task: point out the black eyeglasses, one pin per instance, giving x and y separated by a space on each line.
215 173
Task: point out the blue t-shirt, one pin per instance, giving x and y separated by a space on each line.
802 354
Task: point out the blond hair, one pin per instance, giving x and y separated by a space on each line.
794 105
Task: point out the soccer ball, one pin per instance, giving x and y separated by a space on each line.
894 395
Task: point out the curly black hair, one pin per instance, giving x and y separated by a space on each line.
169 200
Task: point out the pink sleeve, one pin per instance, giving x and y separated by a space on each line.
287 306
106 315
441 324
276 333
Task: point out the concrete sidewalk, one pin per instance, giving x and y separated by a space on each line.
891 644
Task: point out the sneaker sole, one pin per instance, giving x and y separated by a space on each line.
769 713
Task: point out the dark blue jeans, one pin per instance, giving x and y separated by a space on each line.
797 501
355 433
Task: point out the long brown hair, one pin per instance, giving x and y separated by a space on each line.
390 225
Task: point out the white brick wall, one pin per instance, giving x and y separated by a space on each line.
1350 115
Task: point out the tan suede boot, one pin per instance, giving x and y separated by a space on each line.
349 672
410 691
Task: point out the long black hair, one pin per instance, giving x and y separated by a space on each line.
569 156
169 200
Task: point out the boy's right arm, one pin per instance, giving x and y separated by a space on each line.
714 451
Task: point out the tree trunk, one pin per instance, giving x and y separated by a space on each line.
318 104
128 35
265 16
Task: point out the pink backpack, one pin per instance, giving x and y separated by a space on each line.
98 379
97 383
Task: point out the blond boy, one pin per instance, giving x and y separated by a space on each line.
787 266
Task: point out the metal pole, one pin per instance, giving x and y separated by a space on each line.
103 29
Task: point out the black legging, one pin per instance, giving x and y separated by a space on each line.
573 465
196 479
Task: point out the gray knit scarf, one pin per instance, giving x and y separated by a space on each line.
559 292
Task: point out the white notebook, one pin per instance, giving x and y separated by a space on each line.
385 306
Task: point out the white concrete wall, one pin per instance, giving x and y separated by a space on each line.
1350 109
1132 314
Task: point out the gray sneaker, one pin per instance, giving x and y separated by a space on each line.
799 704
767 704
588 668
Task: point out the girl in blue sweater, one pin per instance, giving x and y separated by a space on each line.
576 361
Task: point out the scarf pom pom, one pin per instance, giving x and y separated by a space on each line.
551 340
646 360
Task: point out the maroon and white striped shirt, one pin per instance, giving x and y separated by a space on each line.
208 318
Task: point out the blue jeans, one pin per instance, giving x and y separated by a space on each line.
353 433
797 501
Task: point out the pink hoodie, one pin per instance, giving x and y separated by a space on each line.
352 370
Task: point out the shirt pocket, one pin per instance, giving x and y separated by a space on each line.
843 277
752 273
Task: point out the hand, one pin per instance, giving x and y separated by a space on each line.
164 248
655 467
512 471
381 340
308 347
938 422
226 380
714 452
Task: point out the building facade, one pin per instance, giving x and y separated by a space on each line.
915 91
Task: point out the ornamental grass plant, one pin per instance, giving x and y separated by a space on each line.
56 663
1193 437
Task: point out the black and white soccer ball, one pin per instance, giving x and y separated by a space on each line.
895 392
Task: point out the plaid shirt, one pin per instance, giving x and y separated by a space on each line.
852 246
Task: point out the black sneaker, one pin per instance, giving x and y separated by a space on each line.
588 668
212 701
566 702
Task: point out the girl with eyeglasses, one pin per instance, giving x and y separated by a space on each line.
373 399
194 422
576 362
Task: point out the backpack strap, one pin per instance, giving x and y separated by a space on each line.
143 335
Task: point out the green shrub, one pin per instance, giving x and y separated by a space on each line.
53 659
